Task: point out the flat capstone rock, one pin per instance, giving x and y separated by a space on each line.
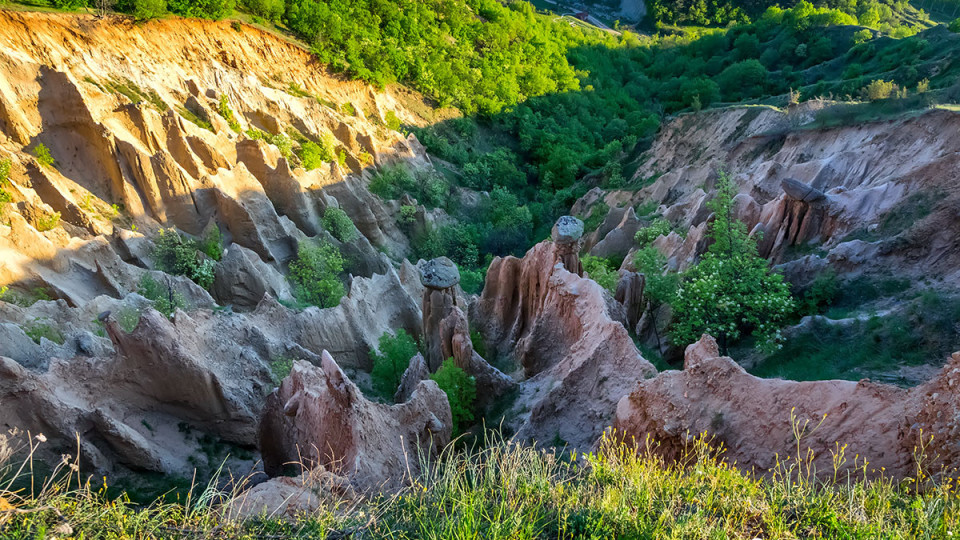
439 273
567 230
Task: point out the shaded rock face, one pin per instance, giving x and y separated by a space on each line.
578 361
813 189
417 371
128 408
318 417
202 374
446 332
752 417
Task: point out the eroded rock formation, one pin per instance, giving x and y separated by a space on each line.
318 417
557 325
756 419
447 332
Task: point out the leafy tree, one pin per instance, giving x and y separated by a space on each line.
461 390
316 275
181 256
390 360
600 271
339 224
730 292
271 10
203 9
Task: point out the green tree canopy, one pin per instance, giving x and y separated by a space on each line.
730 292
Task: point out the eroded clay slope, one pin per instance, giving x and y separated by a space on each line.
757 421
838 192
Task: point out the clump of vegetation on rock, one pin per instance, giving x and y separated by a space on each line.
316 275
390 360
177 255
339 224
600 271
461 390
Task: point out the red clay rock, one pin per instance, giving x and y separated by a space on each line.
318 417
557 325
753 418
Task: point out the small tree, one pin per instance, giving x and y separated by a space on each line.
316 275
461 390
391 360
103 7
731 291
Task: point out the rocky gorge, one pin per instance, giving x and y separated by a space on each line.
142 143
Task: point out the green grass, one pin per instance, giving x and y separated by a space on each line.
922 333
514 492
195 118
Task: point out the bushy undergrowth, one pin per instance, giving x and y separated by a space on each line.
461 390
339 224
316 275
601 271
921 332
181 256
510 492
390 360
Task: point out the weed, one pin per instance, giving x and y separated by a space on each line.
199 119
42 153
38 329
48 222
224 110
280 367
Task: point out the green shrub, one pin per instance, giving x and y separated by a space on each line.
196 117
42 153
731 291
177 255
164 298
471 281
598 212
599 270
68 4
224 110
393 181
212 244
339 224
316 275
461 390
954 26
280 367
880 89
348 109
392 121
645 236
820 294
201 9
390 360
143 10
5 165
271 10
38 329
313 155
48 222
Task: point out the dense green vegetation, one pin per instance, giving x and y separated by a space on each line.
315 275
461 390
178 255
390 360
511 492
730 292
